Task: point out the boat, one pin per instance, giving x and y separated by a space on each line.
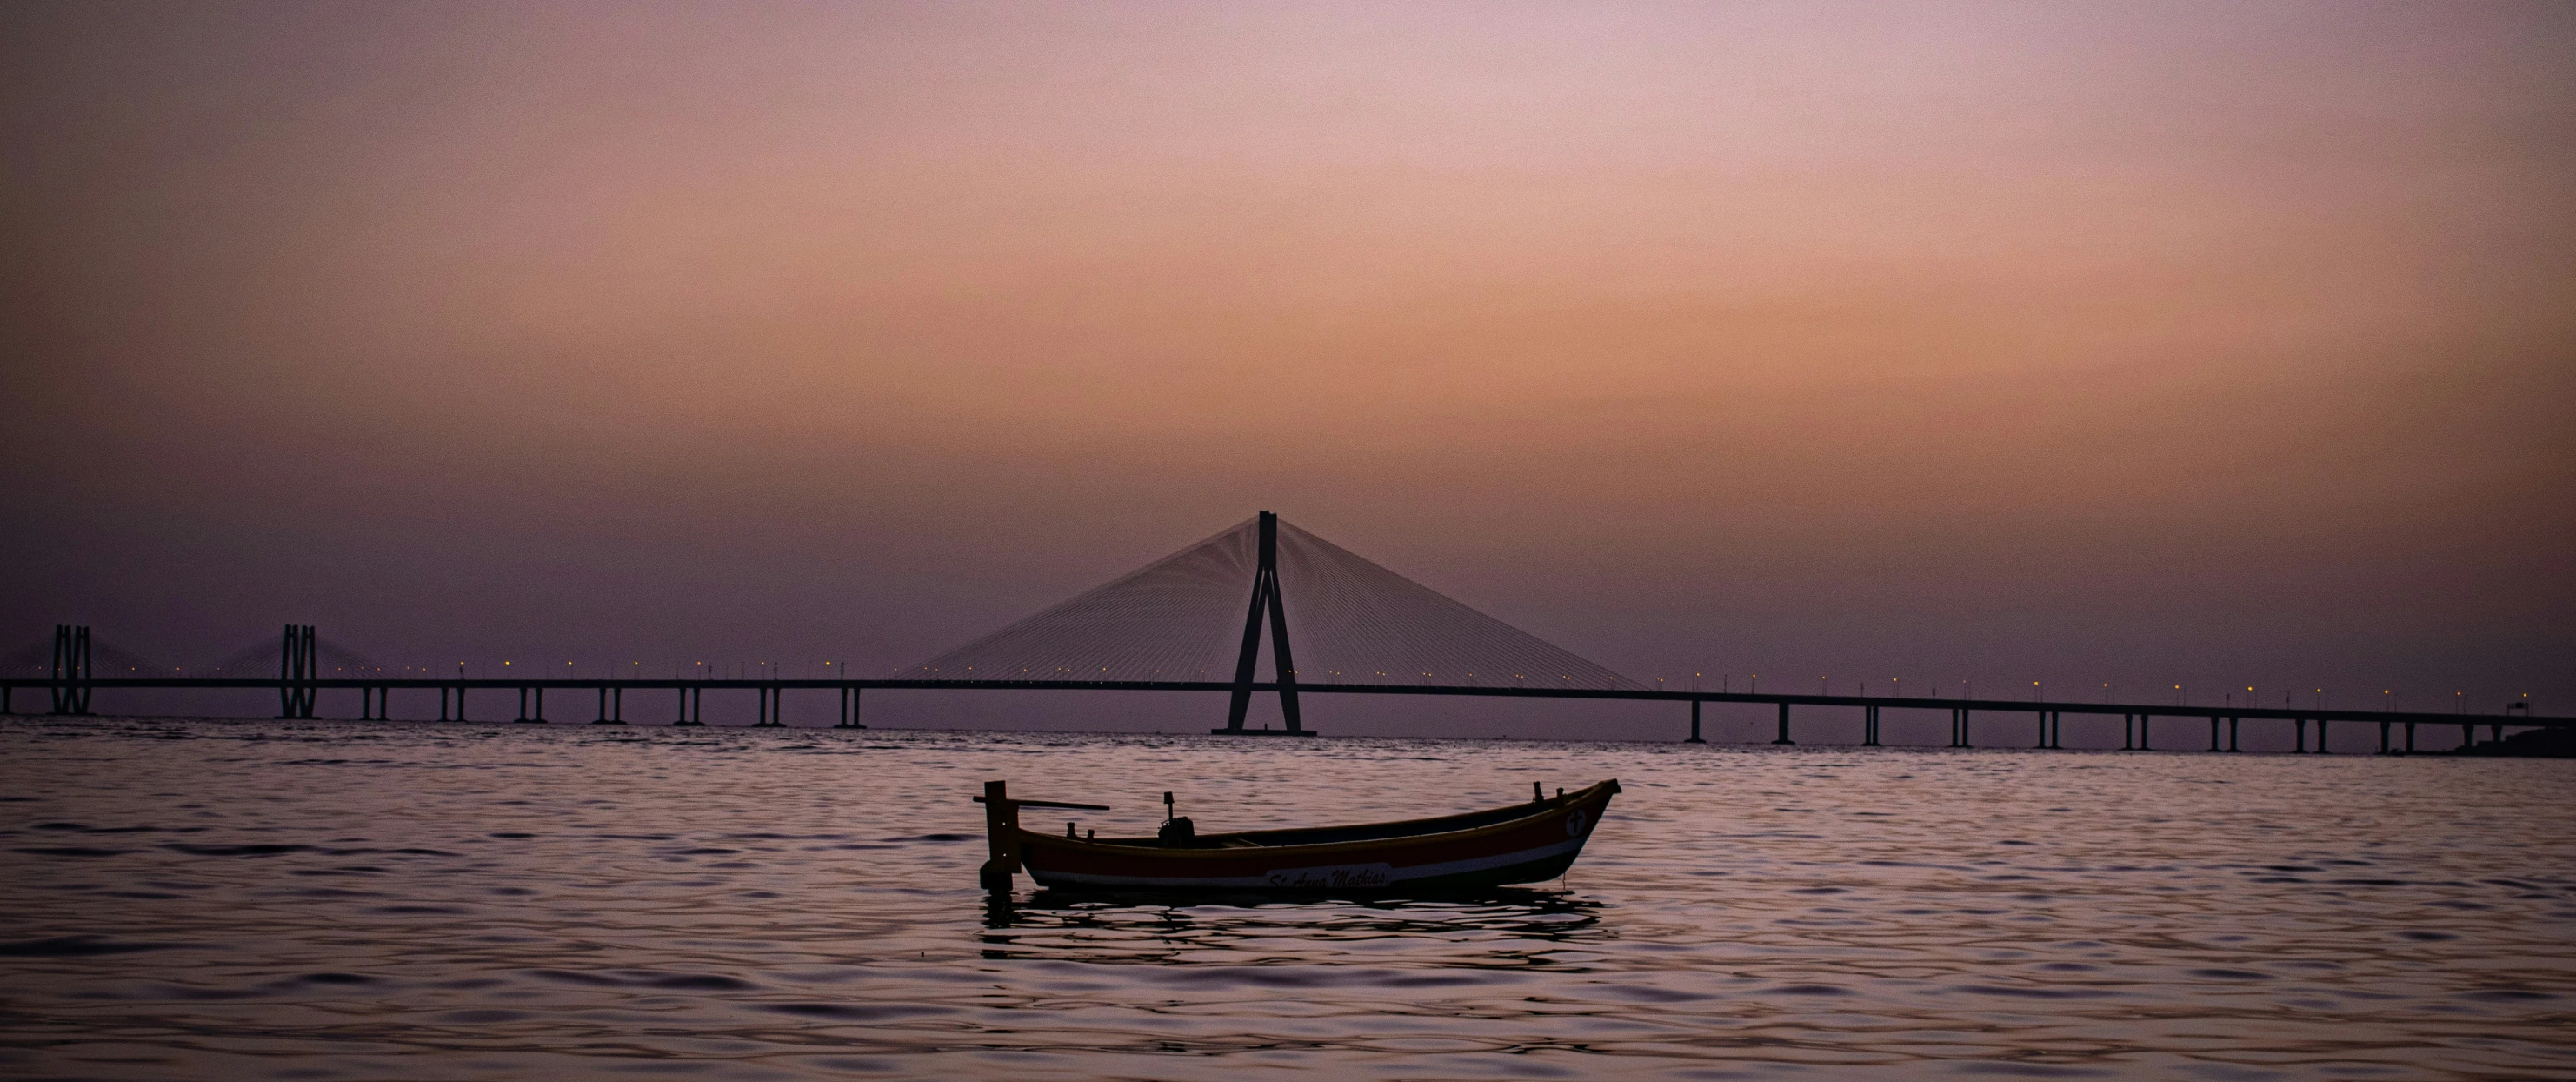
1521 843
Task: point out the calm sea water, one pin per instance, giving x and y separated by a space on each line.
319 900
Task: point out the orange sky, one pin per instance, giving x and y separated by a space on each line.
2219 344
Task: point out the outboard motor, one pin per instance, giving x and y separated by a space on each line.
1177 830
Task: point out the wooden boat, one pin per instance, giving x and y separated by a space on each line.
1522 843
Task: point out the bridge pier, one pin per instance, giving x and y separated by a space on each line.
1694 736
2468 734
2213 732
540 717
770 708
611 715
2321 736
1868 726
1784 726
2232 722
2043 731
2383 738
2146 731
850 708
2410 738
2298 736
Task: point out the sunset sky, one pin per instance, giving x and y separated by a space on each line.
2150 344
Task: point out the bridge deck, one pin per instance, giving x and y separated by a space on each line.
1981 706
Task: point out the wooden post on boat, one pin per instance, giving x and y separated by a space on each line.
1002 835
1002 832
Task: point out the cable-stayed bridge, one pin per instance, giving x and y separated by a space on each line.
1197 621
1201 614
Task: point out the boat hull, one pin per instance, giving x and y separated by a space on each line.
1525 844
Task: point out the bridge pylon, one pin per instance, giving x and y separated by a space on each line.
71 669
299 663
1265 601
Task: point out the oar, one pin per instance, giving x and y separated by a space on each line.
1019 803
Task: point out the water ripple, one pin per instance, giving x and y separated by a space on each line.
554 902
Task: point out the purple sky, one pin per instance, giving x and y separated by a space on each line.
2214 345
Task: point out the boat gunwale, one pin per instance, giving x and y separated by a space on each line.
1600 791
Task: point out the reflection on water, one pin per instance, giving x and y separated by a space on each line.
1507 927
320 900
